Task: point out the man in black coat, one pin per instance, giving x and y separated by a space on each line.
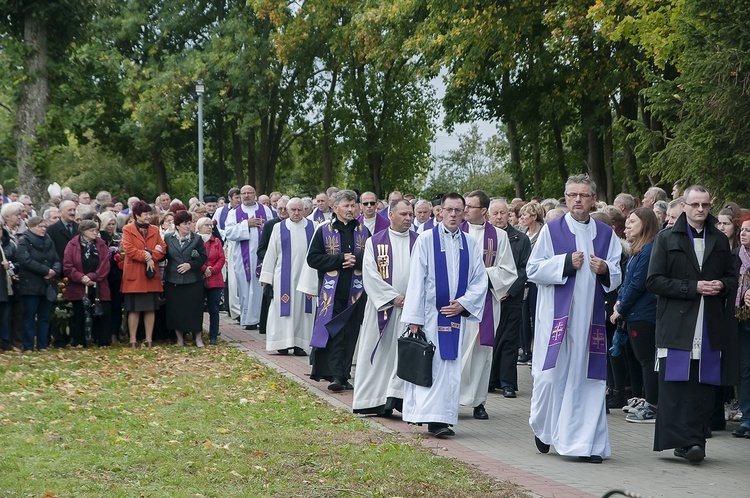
504 373
333 362
65 228
265 238
61 232
692 273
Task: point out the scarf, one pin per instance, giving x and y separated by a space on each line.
741 311
143 228
205 237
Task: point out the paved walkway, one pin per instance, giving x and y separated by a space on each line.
503 446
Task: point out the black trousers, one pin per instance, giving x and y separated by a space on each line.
504 370
685 409
101 331
335 360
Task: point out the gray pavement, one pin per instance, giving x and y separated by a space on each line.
503 446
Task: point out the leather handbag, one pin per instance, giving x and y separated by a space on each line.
415 354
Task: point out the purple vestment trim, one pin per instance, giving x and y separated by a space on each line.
448 328
223 217
383 253
285 304
489 254
563 242
318 216
240 216
324 318
381 223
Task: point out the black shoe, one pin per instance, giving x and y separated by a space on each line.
508 392
444 433
251 327
693 454
591 459
491 389
542 447
480 413
709 434
213 341
336 385
741 432
348 386
283 352
524 359
616 399
299 351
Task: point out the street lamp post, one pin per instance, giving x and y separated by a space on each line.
199 89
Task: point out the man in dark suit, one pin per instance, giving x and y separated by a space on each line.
692 273
504 372
61 232
265 238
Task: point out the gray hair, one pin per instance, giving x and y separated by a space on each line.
675 202
660 195
583 179
344 195
626 200
498 200
12 208
550 203
422 201
295 200
661 205
331 191
691 188
307 203
47 214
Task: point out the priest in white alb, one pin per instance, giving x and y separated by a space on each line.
447 289
385 271
479 337
291 313
243 227
575 262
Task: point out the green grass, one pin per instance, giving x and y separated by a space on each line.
186 422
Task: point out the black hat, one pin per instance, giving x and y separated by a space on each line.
210 198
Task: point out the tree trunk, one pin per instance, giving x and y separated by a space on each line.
222 173
161 172
252 159
537 161
375 160
594 147
515 157
32 107
608 156
629 113
239 177
325 143
560 152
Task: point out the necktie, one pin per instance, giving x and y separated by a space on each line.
70 228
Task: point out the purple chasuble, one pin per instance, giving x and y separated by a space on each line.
429 224
326 325
678 361
318 216
489 253
448 329
383 253
240 216
285 305
563 242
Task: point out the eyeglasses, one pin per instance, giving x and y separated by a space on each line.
696 205
571 195
371 203
453 210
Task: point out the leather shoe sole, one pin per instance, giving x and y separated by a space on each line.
591 459
508 392
336 385
693 454
542 447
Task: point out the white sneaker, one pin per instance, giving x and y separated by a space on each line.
633 405
737 416
646 414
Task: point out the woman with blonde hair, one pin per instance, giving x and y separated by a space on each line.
531 217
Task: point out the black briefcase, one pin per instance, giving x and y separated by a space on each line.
415 354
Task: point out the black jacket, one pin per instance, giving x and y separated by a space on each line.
9 248
36 256
673 276
193 252
521 248
61 236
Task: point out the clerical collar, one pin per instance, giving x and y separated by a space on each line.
405 233
697 234
450 234
581 222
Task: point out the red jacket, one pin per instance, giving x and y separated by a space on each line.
216 261
134 269
73 269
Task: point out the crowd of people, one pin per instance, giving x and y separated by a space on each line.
640 305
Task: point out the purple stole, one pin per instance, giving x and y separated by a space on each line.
429 224
448 330
383 253
286 267
381 223
489 250
332 244
318 216
678 360
563 242
241 216
223 217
